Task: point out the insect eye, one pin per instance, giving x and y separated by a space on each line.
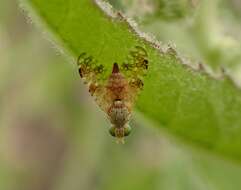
127 130
112 131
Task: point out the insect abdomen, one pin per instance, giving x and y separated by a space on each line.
117 84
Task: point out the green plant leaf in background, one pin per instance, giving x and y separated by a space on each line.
188 103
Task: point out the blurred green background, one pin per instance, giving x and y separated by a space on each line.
54 137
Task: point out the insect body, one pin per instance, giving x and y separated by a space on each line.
116 94
120 109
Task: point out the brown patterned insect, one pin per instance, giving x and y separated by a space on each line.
116 94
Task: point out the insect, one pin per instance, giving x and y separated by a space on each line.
116 94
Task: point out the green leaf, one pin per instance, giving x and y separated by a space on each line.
191 104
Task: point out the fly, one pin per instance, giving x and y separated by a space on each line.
116 95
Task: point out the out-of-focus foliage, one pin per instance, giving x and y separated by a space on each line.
146 10
208 31
52 135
